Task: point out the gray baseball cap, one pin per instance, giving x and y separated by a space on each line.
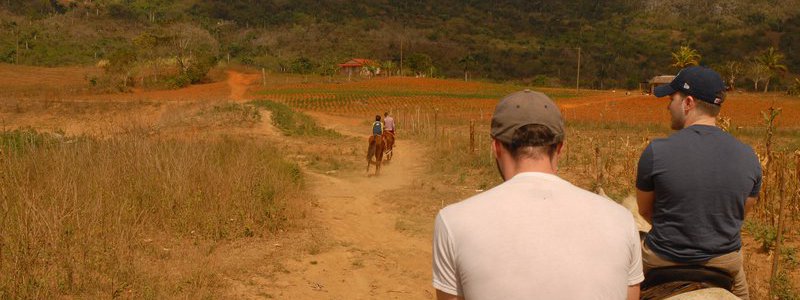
526 108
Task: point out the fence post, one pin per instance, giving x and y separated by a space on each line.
472 136
776 258
436 122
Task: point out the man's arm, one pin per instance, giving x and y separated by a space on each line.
645 202
445 296
645 186
633 292
748 205
445 276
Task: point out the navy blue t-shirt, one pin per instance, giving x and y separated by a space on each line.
701 177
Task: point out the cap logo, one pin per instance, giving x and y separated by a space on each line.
685 85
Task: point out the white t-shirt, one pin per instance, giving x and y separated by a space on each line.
536 236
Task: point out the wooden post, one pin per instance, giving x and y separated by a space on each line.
578 77
436 122
776 256
600 176
418 121
401 57
472 136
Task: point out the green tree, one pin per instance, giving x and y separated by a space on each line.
467 61
772 60
195 50
419 63
302 65
731 71
685 56
757 72
121 62
795 88
387 67
328 68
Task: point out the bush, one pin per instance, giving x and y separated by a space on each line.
765 235
794 89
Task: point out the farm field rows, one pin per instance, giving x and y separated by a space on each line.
372 232
476 100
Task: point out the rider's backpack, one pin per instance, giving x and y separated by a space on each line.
377 128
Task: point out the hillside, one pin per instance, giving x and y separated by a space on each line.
621 42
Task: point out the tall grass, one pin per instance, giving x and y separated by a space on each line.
293 123
78 216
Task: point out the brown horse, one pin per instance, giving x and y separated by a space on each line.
376 148
388 139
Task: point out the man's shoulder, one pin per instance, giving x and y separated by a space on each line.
474 202
566 193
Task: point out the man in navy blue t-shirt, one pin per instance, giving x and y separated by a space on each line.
697 185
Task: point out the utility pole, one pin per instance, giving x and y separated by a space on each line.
401 56
578 77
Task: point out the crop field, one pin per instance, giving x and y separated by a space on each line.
253 187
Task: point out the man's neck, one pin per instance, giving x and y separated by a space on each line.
708 121
527 166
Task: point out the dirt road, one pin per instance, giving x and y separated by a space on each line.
366 256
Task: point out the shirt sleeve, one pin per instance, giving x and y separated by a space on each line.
644 173
757 184
635 273
444 264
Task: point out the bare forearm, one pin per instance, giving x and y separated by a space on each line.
445 296
633 292
749 203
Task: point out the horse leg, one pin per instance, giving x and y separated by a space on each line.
378 164
370 151
378 158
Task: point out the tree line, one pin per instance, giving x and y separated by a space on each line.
622 42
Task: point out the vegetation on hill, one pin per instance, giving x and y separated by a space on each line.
622 42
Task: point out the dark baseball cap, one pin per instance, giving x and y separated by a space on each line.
526 108
700 82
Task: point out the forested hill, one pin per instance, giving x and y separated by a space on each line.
622 42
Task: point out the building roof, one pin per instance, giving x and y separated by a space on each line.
358 62
662 79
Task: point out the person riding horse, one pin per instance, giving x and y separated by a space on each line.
377 126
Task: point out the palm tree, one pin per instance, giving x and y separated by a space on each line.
732 71
467 61
684 57
388 67
772 60
757 72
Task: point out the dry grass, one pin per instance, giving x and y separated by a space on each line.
19 81
84 217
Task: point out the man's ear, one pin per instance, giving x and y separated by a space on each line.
496 148
689 103
559 148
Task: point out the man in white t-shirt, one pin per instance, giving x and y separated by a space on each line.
536 236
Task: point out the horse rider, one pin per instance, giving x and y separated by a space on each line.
697 185
388 122
377 127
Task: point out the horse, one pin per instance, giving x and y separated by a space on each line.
376 149
388 139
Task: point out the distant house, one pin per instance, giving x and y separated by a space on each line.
360 67
658 80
